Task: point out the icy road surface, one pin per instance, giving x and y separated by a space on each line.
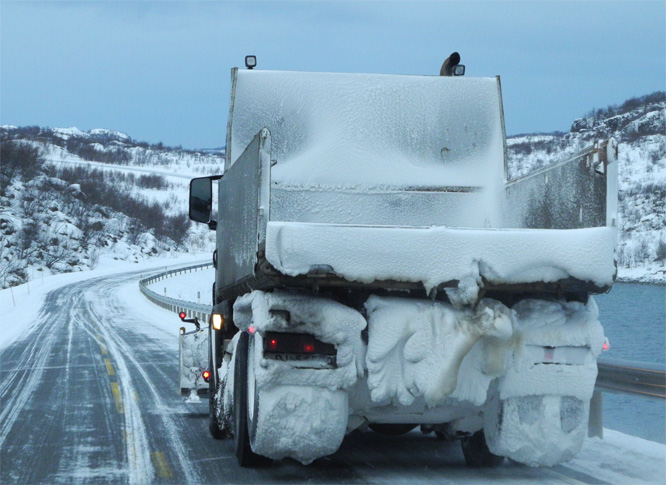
88 394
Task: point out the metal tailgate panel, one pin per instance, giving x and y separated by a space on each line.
442 129
243 212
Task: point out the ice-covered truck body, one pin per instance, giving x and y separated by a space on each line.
375 267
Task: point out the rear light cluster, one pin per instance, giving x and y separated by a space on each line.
206 375
295 343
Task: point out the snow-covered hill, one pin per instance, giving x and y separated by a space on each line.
69 196
639 126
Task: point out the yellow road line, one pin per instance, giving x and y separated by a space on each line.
115 390
102 348
161 465
109 367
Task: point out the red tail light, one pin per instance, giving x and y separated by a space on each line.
295 343
182 315
308 347
251 329
206 375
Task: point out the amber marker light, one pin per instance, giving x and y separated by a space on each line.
218 321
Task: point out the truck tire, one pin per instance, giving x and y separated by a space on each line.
476 452
242 425
213 423
391 429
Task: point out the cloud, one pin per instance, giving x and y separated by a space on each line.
160 70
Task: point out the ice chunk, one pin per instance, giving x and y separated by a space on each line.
416 348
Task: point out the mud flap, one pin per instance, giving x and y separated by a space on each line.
193 348
595 427
312 422
537 430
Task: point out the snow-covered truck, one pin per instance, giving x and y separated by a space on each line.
375 268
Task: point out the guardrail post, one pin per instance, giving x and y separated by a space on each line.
595 426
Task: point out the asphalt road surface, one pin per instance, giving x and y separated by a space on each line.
90 396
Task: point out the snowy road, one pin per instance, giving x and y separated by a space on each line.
88 394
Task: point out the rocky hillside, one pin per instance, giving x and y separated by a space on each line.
639 126
62 208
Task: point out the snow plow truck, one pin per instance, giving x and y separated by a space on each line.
376 268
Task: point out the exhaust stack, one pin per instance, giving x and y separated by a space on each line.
452 66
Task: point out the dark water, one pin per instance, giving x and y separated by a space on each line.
634 320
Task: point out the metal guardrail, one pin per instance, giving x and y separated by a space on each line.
632 377
202 312
615 375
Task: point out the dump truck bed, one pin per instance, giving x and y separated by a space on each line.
398 182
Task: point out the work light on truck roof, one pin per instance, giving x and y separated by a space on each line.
250 62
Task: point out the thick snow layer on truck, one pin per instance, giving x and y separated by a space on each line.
398 182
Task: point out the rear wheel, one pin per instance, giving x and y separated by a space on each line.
242 414
477 454
213 423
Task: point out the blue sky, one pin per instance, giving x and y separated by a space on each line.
159 71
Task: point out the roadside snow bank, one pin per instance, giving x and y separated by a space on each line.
621 458
194 287
21 304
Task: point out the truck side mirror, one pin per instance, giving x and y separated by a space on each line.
201 199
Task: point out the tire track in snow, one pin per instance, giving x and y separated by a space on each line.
17 390
39 412
125 357
137 450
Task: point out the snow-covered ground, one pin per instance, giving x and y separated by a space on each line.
194 287
21 304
